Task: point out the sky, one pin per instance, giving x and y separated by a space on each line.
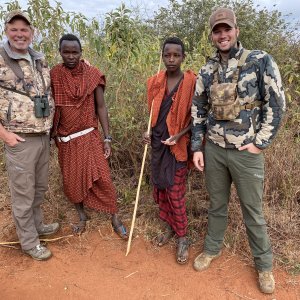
96 8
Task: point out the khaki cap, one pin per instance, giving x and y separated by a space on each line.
17 13
222 16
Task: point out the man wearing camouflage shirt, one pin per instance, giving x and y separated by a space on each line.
237 108
26 114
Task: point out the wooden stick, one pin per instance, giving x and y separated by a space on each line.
141 173
42 240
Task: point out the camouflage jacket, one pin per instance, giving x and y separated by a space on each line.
16 110
259 80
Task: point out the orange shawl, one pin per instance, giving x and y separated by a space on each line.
179 116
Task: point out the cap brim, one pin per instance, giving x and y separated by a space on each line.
227 22
19 16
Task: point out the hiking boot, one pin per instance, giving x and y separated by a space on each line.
48 229
266 282
39 252
203 261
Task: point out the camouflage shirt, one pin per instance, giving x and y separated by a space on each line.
259 80
16 110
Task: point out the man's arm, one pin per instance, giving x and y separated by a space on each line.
102 114
172 140
199 112
198 126
274 103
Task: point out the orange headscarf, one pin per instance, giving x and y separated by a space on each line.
179 116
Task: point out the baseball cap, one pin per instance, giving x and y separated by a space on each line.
222 16
17 13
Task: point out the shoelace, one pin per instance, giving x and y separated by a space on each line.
39 247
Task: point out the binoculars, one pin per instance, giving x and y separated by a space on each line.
41 106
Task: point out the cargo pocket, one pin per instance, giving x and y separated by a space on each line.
18 175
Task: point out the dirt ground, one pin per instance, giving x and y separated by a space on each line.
94 266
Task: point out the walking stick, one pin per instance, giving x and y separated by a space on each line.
141 173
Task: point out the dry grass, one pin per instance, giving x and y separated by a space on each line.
281 204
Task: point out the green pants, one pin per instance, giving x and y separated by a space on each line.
246 171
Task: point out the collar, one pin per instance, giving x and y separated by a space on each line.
34 54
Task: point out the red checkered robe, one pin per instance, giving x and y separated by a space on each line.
171 202
86 173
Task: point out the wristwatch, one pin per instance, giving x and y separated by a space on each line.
108 138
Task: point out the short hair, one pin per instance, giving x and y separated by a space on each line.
69 37
173 40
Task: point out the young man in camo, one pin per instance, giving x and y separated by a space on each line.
237 108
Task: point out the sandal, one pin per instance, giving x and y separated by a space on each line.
120 230
164 237
80 227
182 254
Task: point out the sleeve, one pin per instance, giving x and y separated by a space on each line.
273 103
199 112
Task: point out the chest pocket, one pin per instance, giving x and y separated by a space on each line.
225 104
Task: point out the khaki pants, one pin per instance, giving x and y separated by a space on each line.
246 171
27 166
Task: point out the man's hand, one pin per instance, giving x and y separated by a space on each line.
11 139
170 141
146 138
198 160
250 148
107 150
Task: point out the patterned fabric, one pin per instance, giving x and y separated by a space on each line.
86 174
179 116
259 80
16 110
171 202
72 86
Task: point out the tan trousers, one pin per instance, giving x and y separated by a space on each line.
27 166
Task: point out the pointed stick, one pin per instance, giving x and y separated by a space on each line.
141 173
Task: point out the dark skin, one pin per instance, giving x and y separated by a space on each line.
172 57
71 52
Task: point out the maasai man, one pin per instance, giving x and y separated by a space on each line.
170 96
78 91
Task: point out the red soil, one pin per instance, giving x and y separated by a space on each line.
94 266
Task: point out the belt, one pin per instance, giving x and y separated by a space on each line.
70 137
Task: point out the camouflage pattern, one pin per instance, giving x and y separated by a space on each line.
259 80
224 102
16 110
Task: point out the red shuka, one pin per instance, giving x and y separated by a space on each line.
86 173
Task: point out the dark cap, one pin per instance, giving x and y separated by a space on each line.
17 13
222 16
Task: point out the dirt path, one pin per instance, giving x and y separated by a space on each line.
94 266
